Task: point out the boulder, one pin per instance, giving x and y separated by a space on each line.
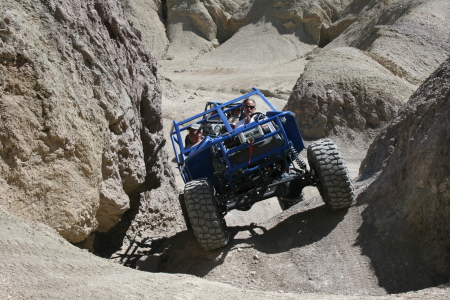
345 89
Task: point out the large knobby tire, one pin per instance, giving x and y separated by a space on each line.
205 217
331 174
288 203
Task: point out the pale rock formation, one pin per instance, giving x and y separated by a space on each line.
404 41
255 45
195 27
148 16
80 115
408 37
344 88
190 28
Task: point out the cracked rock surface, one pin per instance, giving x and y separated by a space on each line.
81 127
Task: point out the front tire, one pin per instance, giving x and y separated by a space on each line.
330 174
206 220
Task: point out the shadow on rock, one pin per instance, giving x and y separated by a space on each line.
403 260
182 253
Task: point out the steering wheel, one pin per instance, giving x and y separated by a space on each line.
258 116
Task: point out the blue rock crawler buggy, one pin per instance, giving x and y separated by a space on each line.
235 168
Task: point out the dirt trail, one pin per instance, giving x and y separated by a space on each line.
305 249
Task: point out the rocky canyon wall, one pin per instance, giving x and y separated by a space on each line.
80 118
407 201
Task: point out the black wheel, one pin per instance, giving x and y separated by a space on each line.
205 217
288 203
184 210
330 174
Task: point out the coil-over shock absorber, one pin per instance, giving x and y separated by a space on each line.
295 156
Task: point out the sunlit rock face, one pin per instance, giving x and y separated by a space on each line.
373 58
80 128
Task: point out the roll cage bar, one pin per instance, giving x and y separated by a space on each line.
221 110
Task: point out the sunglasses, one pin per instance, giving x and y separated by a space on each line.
249 106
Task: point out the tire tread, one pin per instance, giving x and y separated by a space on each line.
206 220
334 185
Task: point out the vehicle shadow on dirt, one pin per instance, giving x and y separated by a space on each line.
296 231
182 253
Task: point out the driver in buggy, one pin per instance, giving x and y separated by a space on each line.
249 108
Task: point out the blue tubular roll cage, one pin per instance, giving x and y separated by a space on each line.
190 171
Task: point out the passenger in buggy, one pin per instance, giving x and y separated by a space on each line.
234 117
194 136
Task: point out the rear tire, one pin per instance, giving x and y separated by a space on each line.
288 203
330 174
205 217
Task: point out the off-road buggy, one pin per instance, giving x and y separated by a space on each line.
235 168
